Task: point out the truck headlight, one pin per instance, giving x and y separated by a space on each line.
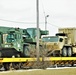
6 45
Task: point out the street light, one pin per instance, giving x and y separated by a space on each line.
46 21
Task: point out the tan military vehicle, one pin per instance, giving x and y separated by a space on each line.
57 45
63 43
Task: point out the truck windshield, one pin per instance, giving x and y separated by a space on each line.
50 39
10 38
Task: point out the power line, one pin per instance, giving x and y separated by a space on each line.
54 25
43 8
20 22
44 15
28 22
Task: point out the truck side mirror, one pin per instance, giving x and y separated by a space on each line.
60 39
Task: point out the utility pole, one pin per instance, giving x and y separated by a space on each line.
37 10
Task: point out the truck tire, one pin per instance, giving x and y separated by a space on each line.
64 52
69 51
0 54
26 51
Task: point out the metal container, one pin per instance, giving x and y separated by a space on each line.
71 33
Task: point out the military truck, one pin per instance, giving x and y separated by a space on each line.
30 37
11 42
17 42
63 43
71 39
56 45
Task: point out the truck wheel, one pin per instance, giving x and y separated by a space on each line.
69 51
0 54
26 51
64 52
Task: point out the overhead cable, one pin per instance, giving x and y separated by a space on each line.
18 21
28 22
54 25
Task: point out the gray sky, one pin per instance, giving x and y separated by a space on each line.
62 13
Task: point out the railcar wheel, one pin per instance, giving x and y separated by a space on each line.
64 52
15 65
6 66
69 52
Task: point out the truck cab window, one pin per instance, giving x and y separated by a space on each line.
61 39
10 38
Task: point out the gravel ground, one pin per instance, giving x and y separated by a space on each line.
57 71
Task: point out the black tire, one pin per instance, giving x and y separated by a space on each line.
26 51
69 51
64 52
0 54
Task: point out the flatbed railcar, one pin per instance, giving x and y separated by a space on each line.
19 63
18 49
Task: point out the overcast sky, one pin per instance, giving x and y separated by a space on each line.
62 13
